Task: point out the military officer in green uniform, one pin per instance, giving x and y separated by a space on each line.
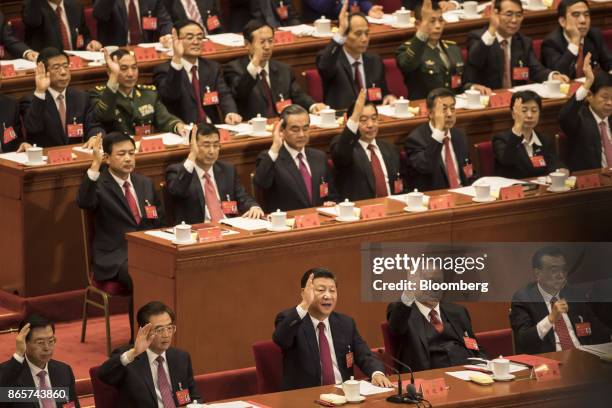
427 62
123 105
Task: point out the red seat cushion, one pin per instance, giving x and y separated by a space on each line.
315 85
395 79
227 384
537 48
269 366
486 160
18 28
113 288
496 342
105 396
389 6
391 343
607 35
91 22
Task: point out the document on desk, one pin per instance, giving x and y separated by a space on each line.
233 404
367 388
19 64
463 374
496 184
21 158
87 55
247 224
386 19
241 128
227 39
598 349
301 30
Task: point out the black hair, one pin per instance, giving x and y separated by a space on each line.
526 96
498 4
120 53
152 309
112 138
602 79
350 18
318 272
184 23
290 111
418 10
536 259
47 53
253 26
206 129
36 321
565 4
435 94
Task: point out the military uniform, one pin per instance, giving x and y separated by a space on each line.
144 110
424 69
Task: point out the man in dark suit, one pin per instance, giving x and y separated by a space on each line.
57 114
564 49
261 85
11 46
320 345
207 13
432 333
32 364
192 87
200 176
275 13
437 155
366 167
12 137
444 5
131 22
346 67
57 23
585 119
551 315
152 373
520 152
291 175
501 57
314 9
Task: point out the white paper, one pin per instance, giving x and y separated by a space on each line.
389 110
496 183
301 30
233 404
82 150
461 101
157 45
241 128
463 375
403 197
21 158
387 19
598 349
169 139
227 39
451 16
161 234
87 55
333 211
247 224
366 388
540 89
19 64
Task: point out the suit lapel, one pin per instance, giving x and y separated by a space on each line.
222 181
275 86
174 368
54 113
144 368
453 319
197 185
346 66
458 156
366 165
339 348
25 379
316 174
517 57
417 320
114 188
72 17
541 310
387 157
299 186
139 187
311 339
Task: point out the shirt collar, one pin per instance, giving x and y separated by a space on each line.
121 181
435 131
35 369
366 144
425 310
294 152
315 323
55 94
568 39
152 356
597 118
187 65
351 60
55 6
547 296
201 171
500 38
535 140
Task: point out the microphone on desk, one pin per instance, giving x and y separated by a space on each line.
411 396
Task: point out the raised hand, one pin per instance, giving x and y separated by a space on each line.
98 155
359 104
343 19
31 55
92 141
588 72
144 338
426 12
308 294
438 116
254 212
193 144
376 11
493 22
519 117
20 340
177 47
94 46
42 78
277 137
557 310
112 64
233 118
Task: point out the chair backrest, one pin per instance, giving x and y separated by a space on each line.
486 160
314 84
105 396
18 30
269 366
91 22
395 79
390 341
561 146
389 6
464 54
607 35
227 384
88 231
496 342
257 192
167 203
537 47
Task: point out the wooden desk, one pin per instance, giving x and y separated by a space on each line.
237 286
584 382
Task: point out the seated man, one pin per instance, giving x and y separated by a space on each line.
207 13
32 364
11 46
204 188
346 67
122 201
564 49
549 314
437 154
314 9
152 373
585 119
12 138
520 152
191 86
57 114
366 167
124 106
261 85
445 5
499 56
320 345
432 333
291 175
275 13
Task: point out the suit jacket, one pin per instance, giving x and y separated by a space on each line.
485 63
353 169
188 197
412 4
112 18
9 117
266 10
528 309
580 127
44 126
409 324
556 56
282 183
337 75
314 9
42 28
176 91
16 374
512 161
178 13
298 341
249 94
135 381
113 218
425 169
12 45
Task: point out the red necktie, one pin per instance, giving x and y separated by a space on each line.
212 201
327 367
306 176
377 170
267 93
435 321
451 171
580 62
62 28
605 142
506 81
133 25
164 386
42 380
129 197
61 108
195 83
562 331
357 77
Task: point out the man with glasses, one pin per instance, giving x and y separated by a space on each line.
501 57
204 188
551 315
152 373
192 87
366 167
32 364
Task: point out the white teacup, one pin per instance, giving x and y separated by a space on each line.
414 200
482 192
35 154
473 98
346 209
553 87
470 8
557 180
500 367
278 219
535 3
401 106
402 17
328 116
258 124
323 25
351 389
182 232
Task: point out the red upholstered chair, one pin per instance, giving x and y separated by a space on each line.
105 290
105 396
18 29
391 343
607 35
464 54
395 79
537 47
496 342
486 160
227 384
389 6
269 366
314 83
91 22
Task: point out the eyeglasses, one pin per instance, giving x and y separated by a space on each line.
365 119
509 14
170 329
48 342
191 37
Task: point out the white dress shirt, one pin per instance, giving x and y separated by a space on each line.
425 310
35 370
94 175
186 65
573 48
439 136
64 19
378 153
545 325
190 166
581 93
54 95
293 154
351 61
151 356
535 140
256 70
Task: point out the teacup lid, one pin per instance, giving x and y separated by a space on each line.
182 225
323 19
403 11
414 193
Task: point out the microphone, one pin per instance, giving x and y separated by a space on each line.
394 398
412 395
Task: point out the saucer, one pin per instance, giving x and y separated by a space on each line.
535 8
483 200
395 25
40 163
559 95
418 209
357 401
404 116
330 126
348 219
558 190
278 229
319 35
261 134
191 241
473 107
469 17
508 377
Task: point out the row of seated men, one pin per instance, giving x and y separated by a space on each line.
321 346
